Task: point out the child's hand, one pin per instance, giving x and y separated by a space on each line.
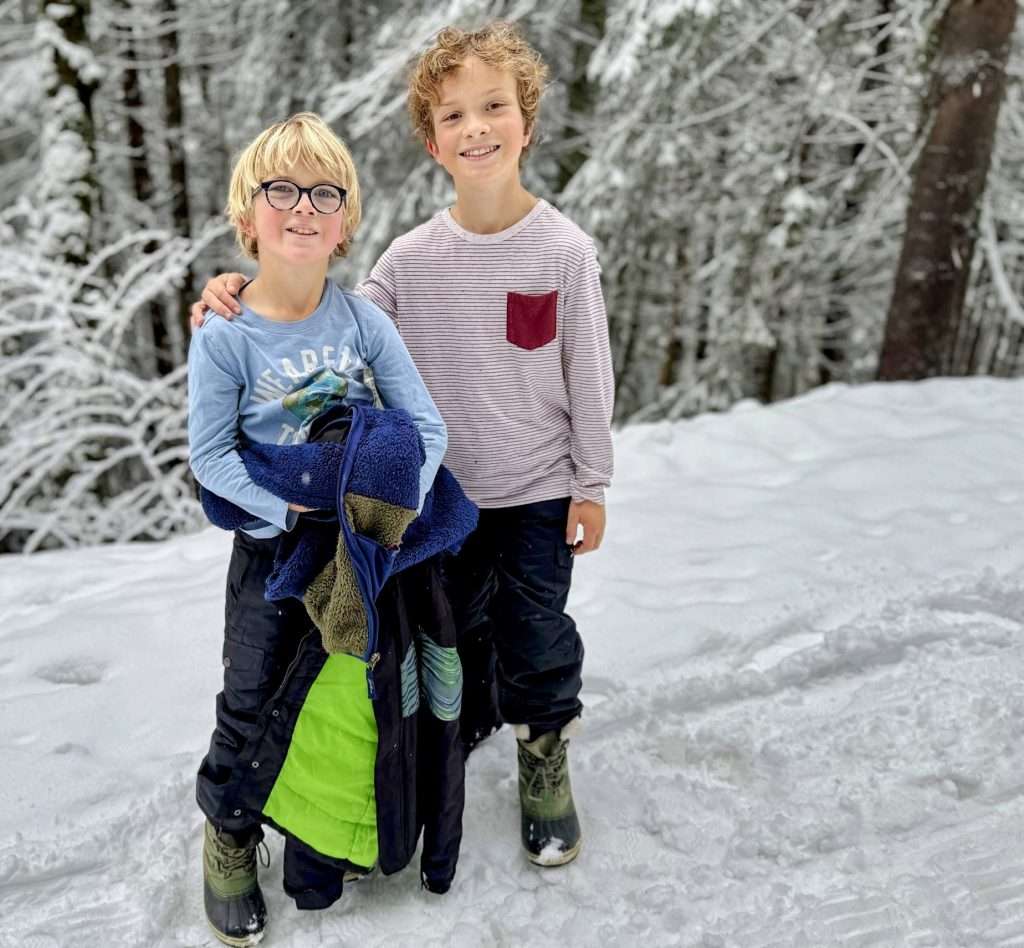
219 295
590 516
300 509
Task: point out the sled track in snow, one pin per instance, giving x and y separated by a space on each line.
988 616
861 764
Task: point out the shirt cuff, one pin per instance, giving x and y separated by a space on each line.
260 529
578 492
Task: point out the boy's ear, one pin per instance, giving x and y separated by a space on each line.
527 137
432 150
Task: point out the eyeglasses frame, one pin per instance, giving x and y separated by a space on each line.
264 186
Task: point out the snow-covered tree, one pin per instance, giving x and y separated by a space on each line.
65 202
745 169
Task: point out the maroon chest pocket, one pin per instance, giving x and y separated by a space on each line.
531 319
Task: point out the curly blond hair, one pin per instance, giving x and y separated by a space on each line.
500 45
304 139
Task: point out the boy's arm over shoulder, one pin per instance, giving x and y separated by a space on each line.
380 286
587 362
400 386
214 383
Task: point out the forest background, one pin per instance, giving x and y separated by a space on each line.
784 193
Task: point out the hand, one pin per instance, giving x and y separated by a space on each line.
300 509
219 295
590 516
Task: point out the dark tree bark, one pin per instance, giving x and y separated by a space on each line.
70 94
582 92
131 92
177 168
969 77
155 359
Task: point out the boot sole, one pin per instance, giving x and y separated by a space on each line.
242 941
552 863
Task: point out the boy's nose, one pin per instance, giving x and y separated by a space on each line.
477 128
305 205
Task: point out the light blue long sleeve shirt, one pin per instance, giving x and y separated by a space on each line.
266 380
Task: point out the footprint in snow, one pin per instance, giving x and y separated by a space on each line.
68 747
72 672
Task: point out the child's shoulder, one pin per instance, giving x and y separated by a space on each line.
562 231
421 236
358 306
558 242
217 333
219 342
342 296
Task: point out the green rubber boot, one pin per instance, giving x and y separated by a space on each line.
234 903
550 827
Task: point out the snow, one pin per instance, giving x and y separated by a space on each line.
804 726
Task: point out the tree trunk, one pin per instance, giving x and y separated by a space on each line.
138 153
68 134
151 339
582 92
935 264
177 323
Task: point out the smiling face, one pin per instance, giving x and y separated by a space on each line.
300 236
304 148
479 132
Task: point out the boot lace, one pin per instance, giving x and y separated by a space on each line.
231 859
546 774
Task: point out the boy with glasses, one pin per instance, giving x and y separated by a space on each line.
499 300
300 346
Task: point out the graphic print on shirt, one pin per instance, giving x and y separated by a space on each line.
324 390
315 381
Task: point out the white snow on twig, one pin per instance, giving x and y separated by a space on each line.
1000 281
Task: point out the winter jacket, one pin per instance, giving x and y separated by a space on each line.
338 573
392 711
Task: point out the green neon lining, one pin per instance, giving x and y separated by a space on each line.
324 794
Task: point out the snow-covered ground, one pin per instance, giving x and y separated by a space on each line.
805 724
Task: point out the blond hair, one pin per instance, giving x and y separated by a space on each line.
304 139
498 44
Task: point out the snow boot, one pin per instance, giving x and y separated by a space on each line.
231 893
550 828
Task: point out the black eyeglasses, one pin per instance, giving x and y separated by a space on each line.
283 195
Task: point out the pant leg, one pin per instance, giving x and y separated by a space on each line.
470 583
539 650
440 752
260 641
313 881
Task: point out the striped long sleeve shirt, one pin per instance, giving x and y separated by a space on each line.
510 335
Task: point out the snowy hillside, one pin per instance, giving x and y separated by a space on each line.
804 726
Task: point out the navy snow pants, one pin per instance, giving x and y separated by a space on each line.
522 656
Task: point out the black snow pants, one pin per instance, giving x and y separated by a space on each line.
260 640
522 656
263 645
